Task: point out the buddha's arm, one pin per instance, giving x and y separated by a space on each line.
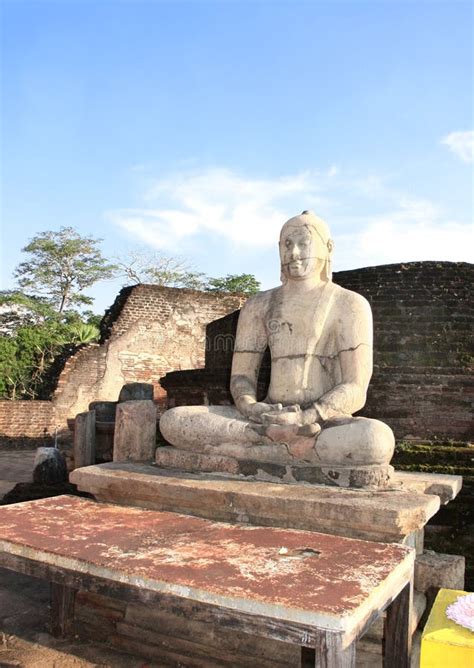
355 354
250 345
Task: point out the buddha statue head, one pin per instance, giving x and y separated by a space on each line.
305 248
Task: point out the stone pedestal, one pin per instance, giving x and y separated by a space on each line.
135 431
356 477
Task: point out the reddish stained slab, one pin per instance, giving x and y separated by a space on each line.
222 559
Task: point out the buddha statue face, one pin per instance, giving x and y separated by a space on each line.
304 248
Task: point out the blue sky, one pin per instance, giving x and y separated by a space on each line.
197 128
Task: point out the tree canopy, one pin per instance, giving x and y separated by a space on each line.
175 272
244 283
40 323
61 265
158 269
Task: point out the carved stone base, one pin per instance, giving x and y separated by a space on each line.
363 477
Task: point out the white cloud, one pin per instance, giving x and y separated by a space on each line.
371 223
415 230
245 211
462 144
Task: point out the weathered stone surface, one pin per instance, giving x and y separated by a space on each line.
135 431
357 477
136 392
446 486
84 439
49 467
386 516
443 571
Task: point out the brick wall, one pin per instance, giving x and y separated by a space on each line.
148 331
27 420
422 383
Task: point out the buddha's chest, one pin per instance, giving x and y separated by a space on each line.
293 327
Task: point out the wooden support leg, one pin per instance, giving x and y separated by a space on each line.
329 653
307 657
397 635
62 610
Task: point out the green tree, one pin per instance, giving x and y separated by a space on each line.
61 265
244 283
25 358
18 310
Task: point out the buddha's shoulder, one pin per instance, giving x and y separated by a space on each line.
349 299
260 300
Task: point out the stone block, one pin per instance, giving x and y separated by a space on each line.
84 439
442 571
49 467
447 487
135 431
104 410
136 392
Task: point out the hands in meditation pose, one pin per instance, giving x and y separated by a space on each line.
320 340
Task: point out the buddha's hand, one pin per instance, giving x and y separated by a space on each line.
254 410
291 415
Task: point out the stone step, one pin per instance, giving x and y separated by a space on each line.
388 516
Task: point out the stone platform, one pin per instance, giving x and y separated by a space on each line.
395 515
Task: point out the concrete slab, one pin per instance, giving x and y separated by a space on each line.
388 516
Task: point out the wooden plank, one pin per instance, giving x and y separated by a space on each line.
199 647
268 627
331 653
185 623
62 610
397 635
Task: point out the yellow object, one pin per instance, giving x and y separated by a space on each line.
445 644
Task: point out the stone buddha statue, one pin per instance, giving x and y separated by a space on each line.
320 339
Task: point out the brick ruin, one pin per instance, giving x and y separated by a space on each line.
422 383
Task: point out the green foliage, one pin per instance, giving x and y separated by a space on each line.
61 265
84 333
25 357
243 283
37 305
